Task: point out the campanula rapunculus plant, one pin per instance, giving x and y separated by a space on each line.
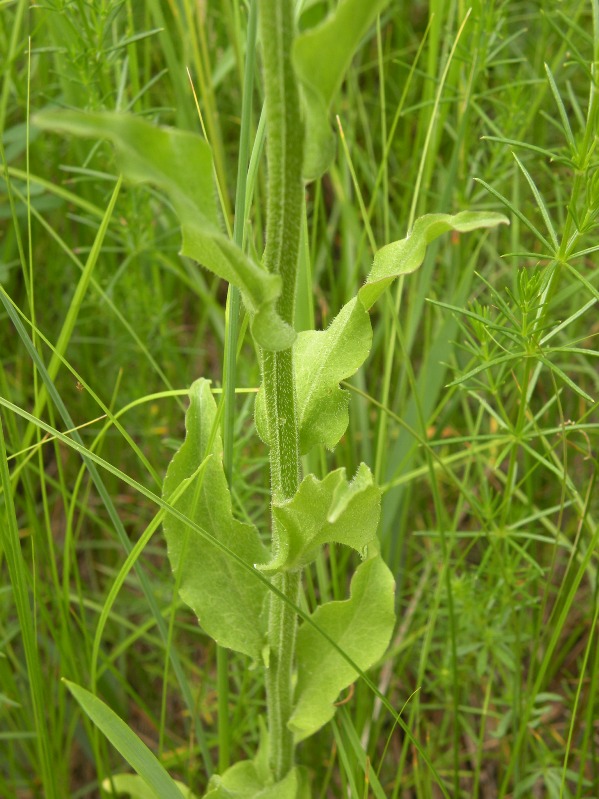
246 594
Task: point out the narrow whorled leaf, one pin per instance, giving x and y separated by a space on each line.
361 626
332 510
321 57
227 599
180 164
136 788
406 255
245 781
323 358
126 742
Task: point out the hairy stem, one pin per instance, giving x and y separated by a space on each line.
284 214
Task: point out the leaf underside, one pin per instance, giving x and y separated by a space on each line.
321 57
332 510
227 599
180 164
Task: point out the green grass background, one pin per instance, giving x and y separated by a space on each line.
477 409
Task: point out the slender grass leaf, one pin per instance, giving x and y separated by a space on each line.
359 755
346 762
72 314
361 626
332 510
227 599
124 740
180 164
10 549
321 57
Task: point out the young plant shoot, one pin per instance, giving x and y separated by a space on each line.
246 595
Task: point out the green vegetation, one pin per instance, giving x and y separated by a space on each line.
470 428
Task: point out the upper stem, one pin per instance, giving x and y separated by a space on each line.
284 143
284 149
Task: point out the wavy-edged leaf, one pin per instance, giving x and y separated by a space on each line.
180 164
126 742
332 510
322 359
137 788
361 626
321 57
227 599
406 255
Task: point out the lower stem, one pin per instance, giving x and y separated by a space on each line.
282 626
281 416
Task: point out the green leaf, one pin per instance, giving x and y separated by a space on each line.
253 779
322 359
227 599
405 256
321 57
246 781
361 626
136 788
135 752
180 164
332 510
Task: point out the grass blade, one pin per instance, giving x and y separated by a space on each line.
124 740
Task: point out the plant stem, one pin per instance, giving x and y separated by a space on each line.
284 214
